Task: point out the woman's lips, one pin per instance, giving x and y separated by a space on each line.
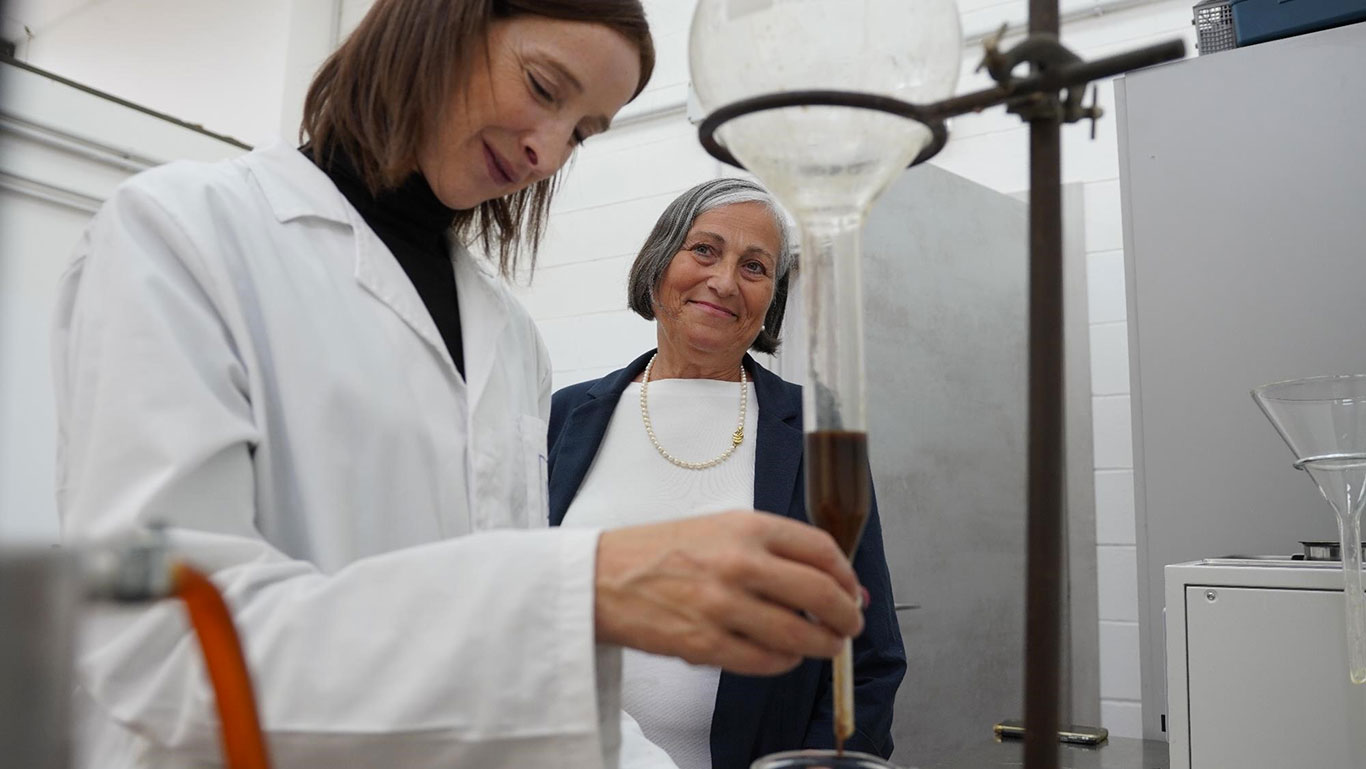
495 167
713 309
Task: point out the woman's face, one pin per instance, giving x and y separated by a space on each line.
717 289
544 86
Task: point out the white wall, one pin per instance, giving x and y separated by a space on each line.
62 151
240 67
35 234
235 68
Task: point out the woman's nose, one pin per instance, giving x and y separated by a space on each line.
722 280
547 150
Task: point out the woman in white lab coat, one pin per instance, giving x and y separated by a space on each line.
349 433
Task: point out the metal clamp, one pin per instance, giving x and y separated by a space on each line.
1043 52
138 569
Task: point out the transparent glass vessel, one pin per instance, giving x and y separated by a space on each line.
827 165
824 159
821 759
1323 421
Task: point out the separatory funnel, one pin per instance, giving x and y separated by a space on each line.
1323 420
827 164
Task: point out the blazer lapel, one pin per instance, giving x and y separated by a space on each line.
582 434
742 700
778 454
483 315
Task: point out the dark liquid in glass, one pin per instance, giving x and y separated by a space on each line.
837 484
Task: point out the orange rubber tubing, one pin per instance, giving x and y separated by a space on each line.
244 746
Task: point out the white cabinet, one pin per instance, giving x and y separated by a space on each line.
1243 184
1258 667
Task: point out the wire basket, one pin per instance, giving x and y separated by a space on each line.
1214 26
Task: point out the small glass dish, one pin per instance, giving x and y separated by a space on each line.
821 759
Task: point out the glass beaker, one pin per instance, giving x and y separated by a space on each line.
821 759
1323 421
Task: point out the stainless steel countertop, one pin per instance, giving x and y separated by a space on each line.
1115 753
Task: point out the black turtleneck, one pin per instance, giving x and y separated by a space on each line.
414 224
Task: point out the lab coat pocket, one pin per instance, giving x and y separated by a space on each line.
532 431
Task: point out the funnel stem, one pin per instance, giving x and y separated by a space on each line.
1349 524
834 396
837 483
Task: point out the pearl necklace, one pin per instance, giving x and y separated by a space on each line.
736 437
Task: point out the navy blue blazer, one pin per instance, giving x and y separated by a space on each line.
755 716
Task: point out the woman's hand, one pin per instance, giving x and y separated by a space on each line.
726 590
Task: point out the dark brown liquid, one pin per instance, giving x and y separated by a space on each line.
837 485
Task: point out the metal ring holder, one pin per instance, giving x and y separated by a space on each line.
707 130
1032 97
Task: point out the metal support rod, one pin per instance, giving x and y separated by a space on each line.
1043 600
1066 76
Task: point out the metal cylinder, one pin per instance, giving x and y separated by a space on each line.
39 595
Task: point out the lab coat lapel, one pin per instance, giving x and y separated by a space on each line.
379 272
482 318
295 188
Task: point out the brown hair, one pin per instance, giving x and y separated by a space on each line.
377 96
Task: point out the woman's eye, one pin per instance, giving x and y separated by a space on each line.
541 90
756 268
703 249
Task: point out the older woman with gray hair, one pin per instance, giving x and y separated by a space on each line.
698 426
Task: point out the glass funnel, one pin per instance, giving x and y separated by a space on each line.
827 165
1323 420
824 159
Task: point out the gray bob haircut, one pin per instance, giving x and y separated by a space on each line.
666 239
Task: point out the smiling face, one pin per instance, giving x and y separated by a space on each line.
543 86
712 299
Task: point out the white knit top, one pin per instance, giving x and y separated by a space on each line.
630 483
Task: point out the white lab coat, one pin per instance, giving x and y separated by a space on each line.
238 355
